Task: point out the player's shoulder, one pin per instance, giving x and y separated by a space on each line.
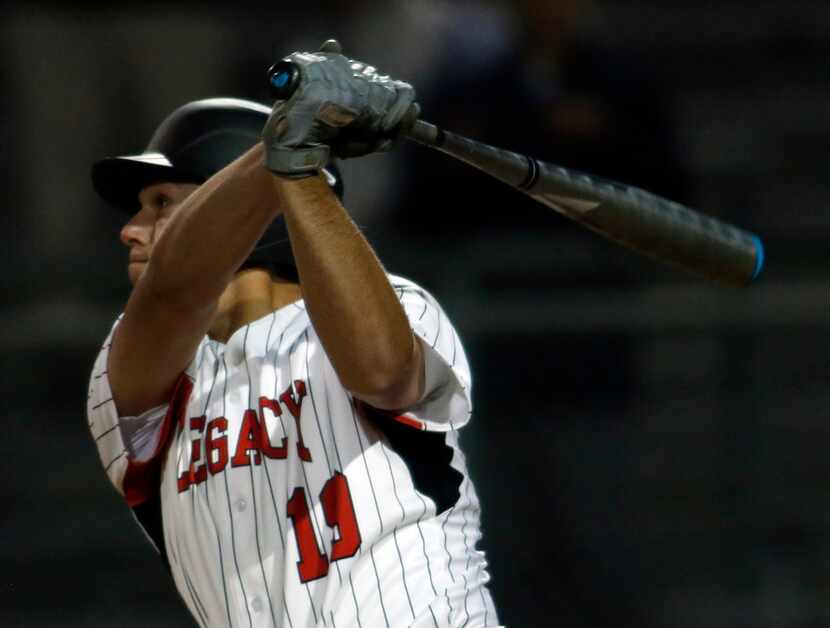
400 283
419 302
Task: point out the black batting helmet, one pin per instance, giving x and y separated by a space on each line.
194 142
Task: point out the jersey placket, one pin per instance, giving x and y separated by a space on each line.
239 499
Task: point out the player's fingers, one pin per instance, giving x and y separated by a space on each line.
404 97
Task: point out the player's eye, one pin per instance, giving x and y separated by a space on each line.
162 201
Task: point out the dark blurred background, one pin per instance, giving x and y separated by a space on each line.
650 448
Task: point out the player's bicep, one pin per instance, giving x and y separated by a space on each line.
151 347
410 386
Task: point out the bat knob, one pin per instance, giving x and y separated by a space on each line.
283 79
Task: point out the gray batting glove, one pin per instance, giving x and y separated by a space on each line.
340 106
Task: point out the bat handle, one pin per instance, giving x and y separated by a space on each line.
424 132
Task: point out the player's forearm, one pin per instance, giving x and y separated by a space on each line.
354 309
212 233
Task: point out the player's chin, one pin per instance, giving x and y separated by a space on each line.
135 270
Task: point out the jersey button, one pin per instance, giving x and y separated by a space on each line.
241 505
256 605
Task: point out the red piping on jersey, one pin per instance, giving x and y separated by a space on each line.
142 479
408 420
389 414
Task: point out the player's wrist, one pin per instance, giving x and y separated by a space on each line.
300 192
296 162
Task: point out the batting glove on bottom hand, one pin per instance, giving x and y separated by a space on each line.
340 106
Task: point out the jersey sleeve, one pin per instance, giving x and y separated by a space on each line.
447 404
130 447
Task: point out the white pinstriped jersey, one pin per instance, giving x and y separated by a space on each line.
284 502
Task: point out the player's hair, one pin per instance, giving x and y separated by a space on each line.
190 145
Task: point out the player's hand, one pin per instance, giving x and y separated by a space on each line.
340 106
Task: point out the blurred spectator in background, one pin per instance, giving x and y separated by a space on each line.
535 77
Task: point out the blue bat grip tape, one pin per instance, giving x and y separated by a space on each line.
759 257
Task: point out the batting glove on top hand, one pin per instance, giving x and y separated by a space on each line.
340 106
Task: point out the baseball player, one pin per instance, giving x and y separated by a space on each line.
280 414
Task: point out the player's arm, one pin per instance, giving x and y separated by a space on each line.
171 307
353 307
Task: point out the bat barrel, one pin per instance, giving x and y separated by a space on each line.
652 225
637 219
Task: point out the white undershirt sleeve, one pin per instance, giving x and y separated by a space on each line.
142 433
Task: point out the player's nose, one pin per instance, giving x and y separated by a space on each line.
138 230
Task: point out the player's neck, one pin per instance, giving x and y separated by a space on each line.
252 294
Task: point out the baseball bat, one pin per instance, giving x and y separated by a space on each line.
639 220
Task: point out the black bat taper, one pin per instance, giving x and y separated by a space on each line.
639 220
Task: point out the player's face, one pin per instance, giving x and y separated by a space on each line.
158 202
